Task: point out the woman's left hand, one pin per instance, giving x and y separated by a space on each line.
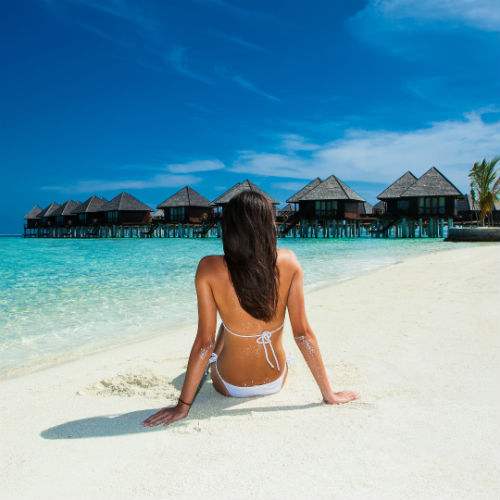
167 416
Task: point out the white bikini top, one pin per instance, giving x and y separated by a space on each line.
264 339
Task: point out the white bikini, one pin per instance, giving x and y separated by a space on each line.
237 391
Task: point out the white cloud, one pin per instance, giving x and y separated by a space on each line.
179 62
271 164
295 142
196 166
97 186
252 88
382 156
479 14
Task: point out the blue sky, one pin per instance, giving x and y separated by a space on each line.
102 96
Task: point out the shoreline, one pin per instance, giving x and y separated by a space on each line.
418 340
69 357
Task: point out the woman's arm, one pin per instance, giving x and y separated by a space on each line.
203 347
306 340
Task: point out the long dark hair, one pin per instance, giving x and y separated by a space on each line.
249 241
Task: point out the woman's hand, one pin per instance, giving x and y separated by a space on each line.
337 398
167 416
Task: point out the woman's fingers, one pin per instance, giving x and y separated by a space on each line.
165 416
156 419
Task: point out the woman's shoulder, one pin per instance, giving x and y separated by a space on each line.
211 260
210 264
288 258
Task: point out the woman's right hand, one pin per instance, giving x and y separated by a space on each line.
167 416
337 398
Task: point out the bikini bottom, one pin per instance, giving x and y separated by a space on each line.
237 391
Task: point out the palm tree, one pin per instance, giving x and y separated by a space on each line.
482 176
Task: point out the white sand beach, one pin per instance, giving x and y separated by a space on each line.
419 340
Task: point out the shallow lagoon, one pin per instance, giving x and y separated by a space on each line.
65 298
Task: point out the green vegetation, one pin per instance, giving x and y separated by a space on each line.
482 177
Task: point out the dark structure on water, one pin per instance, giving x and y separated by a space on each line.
32 219
89 214
468 212
186 206
409 207
123 216
326 208
417 207
221 201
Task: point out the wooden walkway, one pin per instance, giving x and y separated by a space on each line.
384 227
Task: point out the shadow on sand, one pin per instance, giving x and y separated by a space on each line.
130 423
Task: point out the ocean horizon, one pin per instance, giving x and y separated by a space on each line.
61 299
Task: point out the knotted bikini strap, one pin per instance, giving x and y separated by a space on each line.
264 339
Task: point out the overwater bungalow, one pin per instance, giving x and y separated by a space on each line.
124 210
431 195
89 212
246 185
391 197
186 206
64 215
328 199
32 218
329 207
46 226
32 222
47 214
430 200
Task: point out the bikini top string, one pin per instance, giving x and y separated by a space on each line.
264 339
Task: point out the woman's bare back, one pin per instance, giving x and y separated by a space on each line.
242 361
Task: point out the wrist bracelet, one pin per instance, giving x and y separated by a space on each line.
183 402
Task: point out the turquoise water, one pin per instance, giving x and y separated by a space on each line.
66 298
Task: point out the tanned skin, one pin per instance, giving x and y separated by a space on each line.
242 361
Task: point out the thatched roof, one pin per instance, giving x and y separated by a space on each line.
33 213
379 206
331 189
49 211
432 183
398 186
92 205
125 202
366 209
66 208
287 210
186 197
297 196
240 187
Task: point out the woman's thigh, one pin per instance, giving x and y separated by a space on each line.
217 382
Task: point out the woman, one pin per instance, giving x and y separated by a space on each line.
251 286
